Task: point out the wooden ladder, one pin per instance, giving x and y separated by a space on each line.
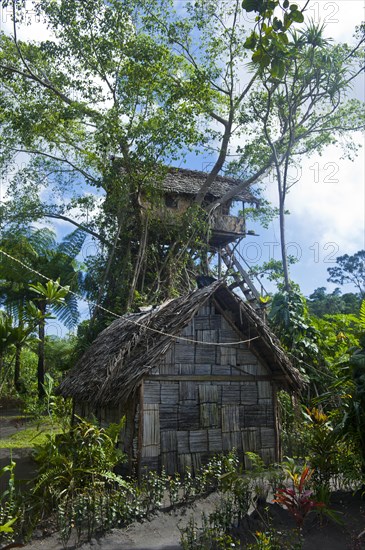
242 279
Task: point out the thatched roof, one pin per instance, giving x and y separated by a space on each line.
188 182
112 368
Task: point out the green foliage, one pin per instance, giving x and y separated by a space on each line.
289 319
9 510
73 461
270 40
321 303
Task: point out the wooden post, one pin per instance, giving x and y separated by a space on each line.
140 433
278 449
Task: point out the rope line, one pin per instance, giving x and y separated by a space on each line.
183 338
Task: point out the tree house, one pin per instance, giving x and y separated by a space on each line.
180 186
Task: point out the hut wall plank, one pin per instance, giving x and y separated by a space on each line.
255 416
168 417
264 389
188 391
182 442
184 352
268 437
251 440
249 393
169 393
208 393
185 462
152 392
231 440
228 355
168 441
198 441
230 418
209 415
231 393
184 369
215 440
221 370
151 425
205 370
169 462
188 417
205 354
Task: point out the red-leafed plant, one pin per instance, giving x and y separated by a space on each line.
298 500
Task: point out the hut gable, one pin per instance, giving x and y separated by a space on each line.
194 377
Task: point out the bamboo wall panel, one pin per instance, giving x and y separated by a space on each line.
185 462
170 393
208 393
246 357
152 392
168 417
251 439
188 417
169 462
196 462
255 415
230 418
205 354
182 442
249 393
206 335
205 370
168 441
151 425
215 440
188 391
207 322
185 368
231 440
223 370
184 352
209 415
228 355
231 393
267 437
265 389
198 441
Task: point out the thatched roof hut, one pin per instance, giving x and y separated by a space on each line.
194 376
189 182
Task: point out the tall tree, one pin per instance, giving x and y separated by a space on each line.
350 270
305 108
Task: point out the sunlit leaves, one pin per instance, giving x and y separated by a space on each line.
269 41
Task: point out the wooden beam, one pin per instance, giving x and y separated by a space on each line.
213 378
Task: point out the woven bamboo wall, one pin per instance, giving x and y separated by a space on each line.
185 421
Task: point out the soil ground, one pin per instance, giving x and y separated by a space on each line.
162 532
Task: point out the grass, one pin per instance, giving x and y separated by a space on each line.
29 437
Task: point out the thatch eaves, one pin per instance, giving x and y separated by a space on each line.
189 182
114 365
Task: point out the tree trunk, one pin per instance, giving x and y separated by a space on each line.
284 256
18 351
41 359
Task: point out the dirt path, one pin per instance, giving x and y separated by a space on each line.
160 533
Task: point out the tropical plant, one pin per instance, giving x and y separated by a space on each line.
297 499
